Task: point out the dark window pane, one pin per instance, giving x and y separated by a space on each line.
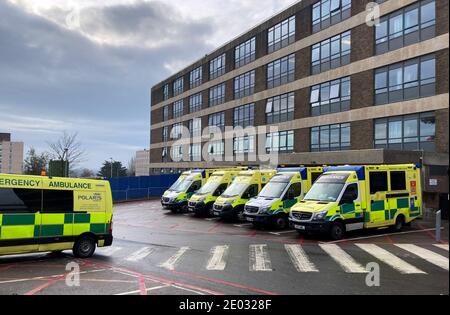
20 200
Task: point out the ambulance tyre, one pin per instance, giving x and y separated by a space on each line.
399 224
281 222
337 231
84 247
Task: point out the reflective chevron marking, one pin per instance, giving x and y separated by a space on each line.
390 259
343 259
426 254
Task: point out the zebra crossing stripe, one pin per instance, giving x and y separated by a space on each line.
343 259
300 259
140 254
259 258
390 259
217 261
172 262
108 252
442 246
426 254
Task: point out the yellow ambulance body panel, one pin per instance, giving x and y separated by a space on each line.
40 214
351 198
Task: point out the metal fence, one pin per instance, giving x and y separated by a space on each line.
140 188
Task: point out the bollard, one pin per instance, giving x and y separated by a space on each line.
438 226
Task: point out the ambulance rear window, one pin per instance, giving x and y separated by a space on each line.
378 182
398 180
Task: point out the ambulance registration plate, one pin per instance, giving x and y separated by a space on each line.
217 213
250 220
300 227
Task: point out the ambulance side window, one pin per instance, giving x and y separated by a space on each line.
57 201
251 192
378 182
294 191
17 200
195 186
398 180
350 194
220 190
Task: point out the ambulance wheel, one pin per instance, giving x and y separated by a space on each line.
337 231
399 224
84 247
281 222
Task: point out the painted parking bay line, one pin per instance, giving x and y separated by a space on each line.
300 259
343 259
108 252
140 254
259 258
442 246
217 261
172 262
426 254
390 259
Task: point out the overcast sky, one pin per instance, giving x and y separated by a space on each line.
88 65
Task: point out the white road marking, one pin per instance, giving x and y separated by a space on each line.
442 246
172 262
259 258
140 254
281 233
343 259
243 225
300 259
212 219
426 254
108 252
390 259
217 261
148 290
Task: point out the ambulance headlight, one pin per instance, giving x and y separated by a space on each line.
229 202
264 210
320 216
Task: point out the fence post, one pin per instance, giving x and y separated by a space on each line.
438 225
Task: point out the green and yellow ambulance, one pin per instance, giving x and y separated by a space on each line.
349 198
176 198
201 203
44 214
274 202
247 185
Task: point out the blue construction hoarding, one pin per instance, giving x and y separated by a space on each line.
140 188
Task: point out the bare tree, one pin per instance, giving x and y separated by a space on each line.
67 148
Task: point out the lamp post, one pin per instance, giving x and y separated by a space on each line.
112 163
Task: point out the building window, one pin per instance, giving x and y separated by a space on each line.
331 97
331 53
281 35
216 148
217 120
244 116
177 153
165 155
330 138
195 77
245 53
406 80
282 142
195 152
412 132
178 86
407 26
166 92
195 103
244 145
280 108
217 95
329 12
244 85
177 131
178 109
195 127
166 113
217 67
281 71
165 134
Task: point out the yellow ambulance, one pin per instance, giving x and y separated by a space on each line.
247 185
349 198
201 203
274 202
44 214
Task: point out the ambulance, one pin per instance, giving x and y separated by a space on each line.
247 185
274 202
176 198
349 198
201 203
45 214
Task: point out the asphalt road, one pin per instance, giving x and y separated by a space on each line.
159 253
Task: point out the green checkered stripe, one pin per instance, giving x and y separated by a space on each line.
53 225
402 204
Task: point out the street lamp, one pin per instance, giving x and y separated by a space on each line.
112 163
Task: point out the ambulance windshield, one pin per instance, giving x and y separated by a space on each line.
327 188
273 190
235 190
